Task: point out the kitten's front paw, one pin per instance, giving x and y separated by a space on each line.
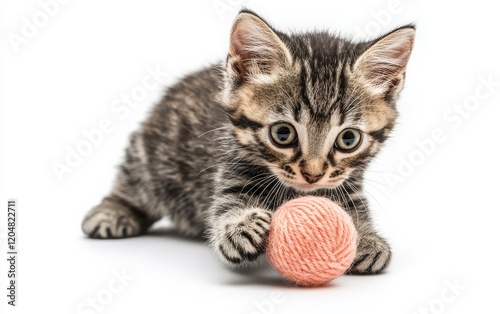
243 239
372 256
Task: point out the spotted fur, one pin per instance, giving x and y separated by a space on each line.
205 158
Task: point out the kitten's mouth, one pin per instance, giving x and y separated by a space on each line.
307 187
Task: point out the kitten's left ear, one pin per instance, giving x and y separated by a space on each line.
383 65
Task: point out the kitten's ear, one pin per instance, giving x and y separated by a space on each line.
255 51
383 65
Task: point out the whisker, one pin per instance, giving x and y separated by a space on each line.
216 129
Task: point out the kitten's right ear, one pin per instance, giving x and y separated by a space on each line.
255 51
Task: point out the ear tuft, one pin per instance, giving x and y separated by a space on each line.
383 65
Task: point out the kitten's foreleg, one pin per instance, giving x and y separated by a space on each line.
373 253
238 232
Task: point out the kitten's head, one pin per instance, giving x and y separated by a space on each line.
312 107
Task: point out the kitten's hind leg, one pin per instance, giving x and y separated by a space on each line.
115 218
123 213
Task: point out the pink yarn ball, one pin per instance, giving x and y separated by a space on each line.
312 241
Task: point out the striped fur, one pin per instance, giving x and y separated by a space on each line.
205 158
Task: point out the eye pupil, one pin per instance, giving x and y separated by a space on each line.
348 138
283 133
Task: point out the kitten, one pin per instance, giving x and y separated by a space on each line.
284 116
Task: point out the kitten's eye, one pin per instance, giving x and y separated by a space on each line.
283 134
348 140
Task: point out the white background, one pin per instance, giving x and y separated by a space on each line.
441 218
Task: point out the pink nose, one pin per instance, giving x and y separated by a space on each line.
311 178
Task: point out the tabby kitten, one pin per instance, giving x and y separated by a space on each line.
284 116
